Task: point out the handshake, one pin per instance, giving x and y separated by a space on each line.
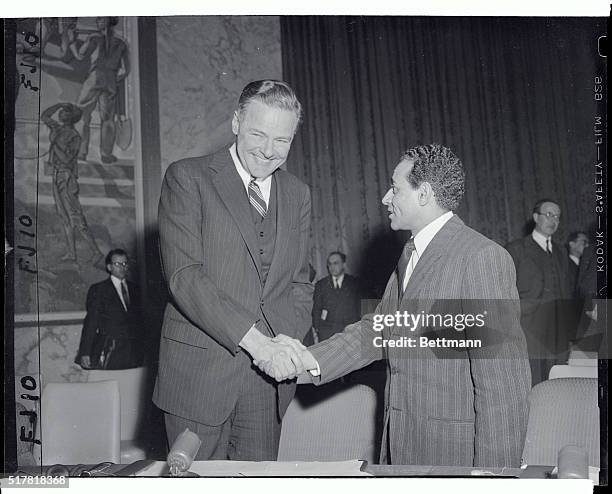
282 357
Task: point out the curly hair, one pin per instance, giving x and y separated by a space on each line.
440 167
277 94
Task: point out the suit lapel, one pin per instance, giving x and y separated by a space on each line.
112 291
432 258
232 193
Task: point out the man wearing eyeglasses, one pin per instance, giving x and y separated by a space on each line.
112 335
543 282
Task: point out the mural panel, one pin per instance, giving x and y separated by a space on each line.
75 156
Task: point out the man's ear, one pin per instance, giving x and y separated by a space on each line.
235 123
425 194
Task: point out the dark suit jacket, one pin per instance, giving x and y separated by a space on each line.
530 272
106 317
343 305
211 261
447 407
572 271
548 313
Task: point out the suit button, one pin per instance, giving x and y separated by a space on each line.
394 370
261 303
261 251
261 234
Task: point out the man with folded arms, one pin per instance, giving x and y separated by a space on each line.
443 406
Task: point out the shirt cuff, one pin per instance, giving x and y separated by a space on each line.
315 372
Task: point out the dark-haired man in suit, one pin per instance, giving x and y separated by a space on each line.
461 406
543 282
336 299
112 336
234 232
576 243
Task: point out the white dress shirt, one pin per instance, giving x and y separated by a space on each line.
421 241
265 185
541 240
117 283
338 280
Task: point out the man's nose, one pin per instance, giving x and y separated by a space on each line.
386 200
268 148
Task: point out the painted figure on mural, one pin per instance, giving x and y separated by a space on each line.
64 142
110 65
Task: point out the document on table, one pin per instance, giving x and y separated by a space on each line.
213 468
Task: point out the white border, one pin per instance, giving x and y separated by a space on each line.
549 8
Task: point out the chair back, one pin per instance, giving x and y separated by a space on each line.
80 423
341 425
134 396
559 371
561 412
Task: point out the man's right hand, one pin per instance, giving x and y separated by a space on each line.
86 362
279 360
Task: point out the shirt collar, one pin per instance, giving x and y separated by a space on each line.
540 239
339 278
116 281
265 185
575 259
426 235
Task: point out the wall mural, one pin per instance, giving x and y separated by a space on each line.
75 156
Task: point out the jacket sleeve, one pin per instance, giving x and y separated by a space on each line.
301 286
317 305
92 321
500 369
180 232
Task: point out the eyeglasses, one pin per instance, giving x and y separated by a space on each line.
551 216
124 264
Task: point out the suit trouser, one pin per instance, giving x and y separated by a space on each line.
250 433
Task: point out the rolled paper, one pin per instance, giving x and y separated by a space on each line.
573 463
183 452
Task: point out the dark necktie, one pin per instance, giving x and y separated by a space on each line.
548 248
403 262
336 284
256 199
125 294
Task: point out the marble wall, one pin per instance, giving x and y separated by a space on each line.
203 64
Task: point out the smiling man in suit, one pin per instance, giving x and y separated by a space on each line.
458 405
234 232
112 336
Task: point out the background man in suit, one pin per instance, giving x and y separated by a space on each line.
543 282
234 232
336 299
112 336
576 243
442 406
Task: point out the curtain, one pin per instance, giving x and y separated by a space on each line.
513 98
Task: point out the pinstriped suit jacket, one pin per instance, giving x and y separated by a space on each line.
211 261
443 406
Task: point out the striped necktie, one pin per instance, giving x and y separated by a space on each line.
403 262
548 247
256 198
